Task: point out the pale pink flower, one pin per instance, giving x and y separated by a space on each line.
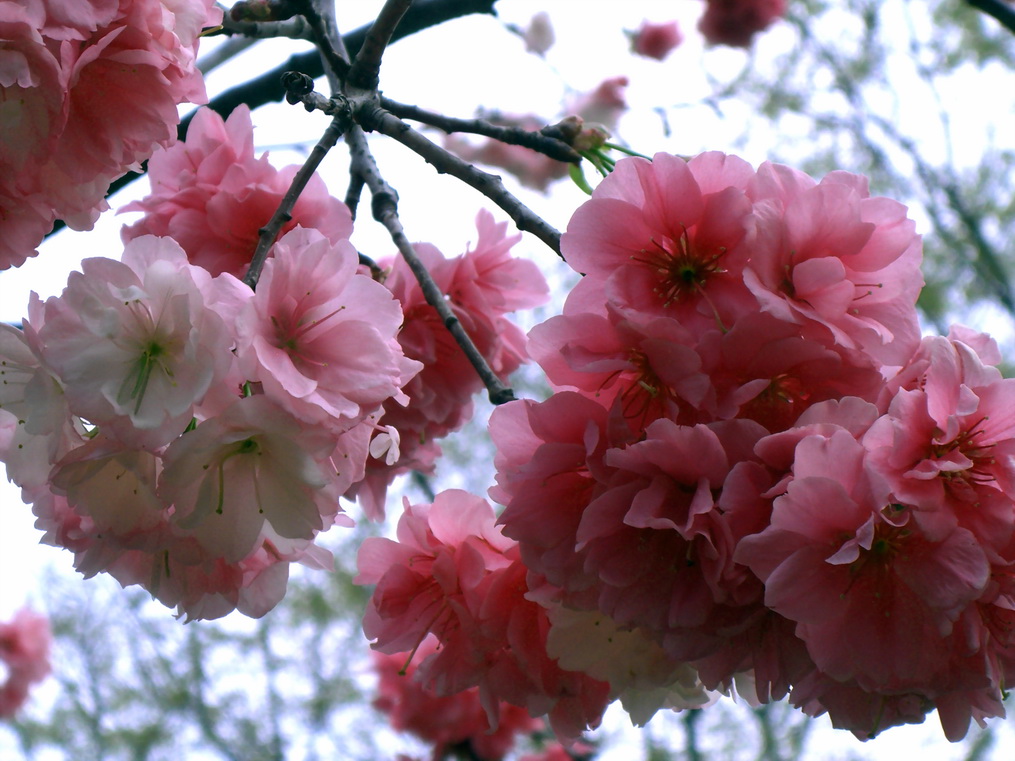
136 349
538 35
656 40
603 105
735 22
211 195
321 338
252 467
24 651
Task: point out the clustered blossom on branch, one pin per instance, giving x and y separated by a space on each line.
753 471
65 68
183 432
24 653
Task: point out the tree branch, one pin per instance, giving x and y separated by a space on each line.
266 88
536 141
1004 13
366 65
372 117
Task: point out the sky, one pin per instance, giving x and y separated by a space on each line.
444 70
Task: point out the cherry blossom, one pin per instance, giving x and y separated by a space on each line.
656 40
24 651
735 22
211 195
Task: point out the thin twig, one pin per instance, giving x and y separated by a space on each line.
999 10
372 117
536 141
295 28
386 212
366 66
283 213
325 36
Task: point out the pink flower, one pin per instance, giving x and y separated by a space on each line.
538 35
454 575
829 257
212 196
249 469
603 105
24 651
67 69
735 22
444 721
482 285
874 596
656 40
320 338
665 237
136 349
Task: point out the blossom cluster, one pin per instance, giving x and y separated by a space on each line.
65 68
24 653
754 474
182 431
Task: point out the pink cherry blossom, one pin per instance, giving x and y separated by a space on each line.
252 467
452 573
320 338
24 651
211 195
665 237
735 22
656 40
67 68
136 350
829 257
448 720
483 285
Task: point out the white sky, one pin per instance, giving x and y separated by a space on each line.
445 70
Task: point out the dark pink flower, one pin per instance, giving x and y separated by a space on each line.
24 652
656 40
735 22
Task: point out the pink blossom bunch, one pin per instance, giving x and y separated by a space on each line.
483 285
452 574
212 196
445 722
185 433
735 22
754 471
65 71
24 652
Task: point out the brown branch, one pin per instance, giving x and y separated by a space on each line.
540 142
283 213
366 66
374 118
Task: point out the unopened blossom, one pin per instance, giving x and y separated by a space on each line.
735 22
212 195
656 40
